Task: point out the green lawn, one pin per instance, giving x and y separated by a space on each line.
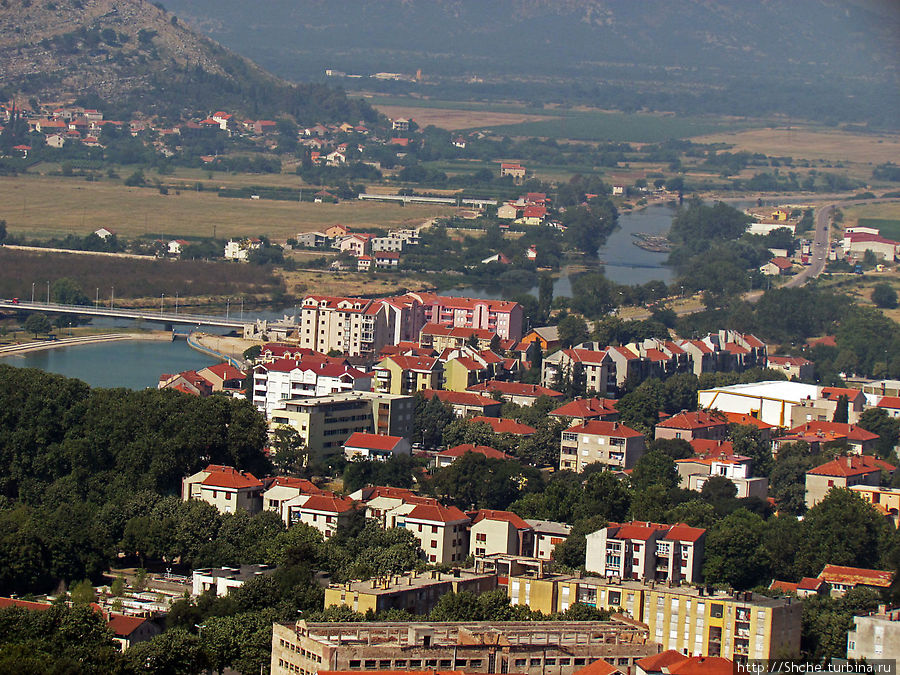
890 229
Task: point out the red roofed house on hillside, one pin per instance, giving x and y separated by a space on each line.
279 489
188 382
286 379
792 366
365 446
610 443
465 403
500 532
503 317
647 551
442 532
129 630
584 409
450 455
844 472
690 425
890 404
777 266
818 433
515 392
224 487
325 512
513 169
223 377
805 588
408 374
842 579
499 425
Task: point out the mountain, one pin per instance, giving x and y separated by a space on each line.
653 47
143 58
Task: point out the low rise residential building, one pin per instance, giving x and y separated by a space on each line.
875 636
582 410
515 392
672 662
842 579
450 455
224 377
220 580
466 403
777 266
890 404
886 500
414 592
286 380
825 406
500 425
547 534
325 422
528 647
282 488
442 532
462 372
795 367
696 620
130 630
696 471
325 512
398 374
844 472
598 369
612 444
440 337
816 434
804 588
224 487
365 446
647 551
494 531
690 425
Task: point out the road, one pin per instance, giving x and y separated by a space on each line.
820 248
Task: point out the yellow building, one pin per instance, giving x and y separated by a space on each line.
463 372
737 626
409 374
885 499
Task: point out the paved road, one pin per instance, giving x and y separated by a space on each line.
820 248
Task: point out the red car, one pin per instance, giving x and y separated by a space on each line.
15 301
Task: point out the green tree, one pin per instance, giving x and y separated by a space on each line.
174 652
65 291
655 468
430 416
82 592
572 331
735 553
884 295
37 324
289 452
878 421
117 587
842 410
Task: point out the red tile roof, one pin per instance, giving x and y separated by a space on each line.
598 667
414 362
226 371
701 419
849 431
229 477
834 393
305 486
747 420
837 574
360 439
123 626
783 586
501 425
328 504
781 263
788 361
587 408
24 604
809 584
733 348
656 662
710 448
437 514
634 530
505 516
467 398
515 389
682 532
889 402
587 356
460 450
851 466
703 665
602 428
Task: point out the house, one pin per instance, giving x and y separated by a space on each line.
223 377
514 170
462 372
440 337
647 551
388 243
890 404
466 403
534 215
673 662
804 588
509 211
886 500
547 534
364 446
408 374
363 263
450 455
494 531
844 472
690 425
817 433
335 231
531 252
618 190
387 259
842 579
515 392
311 239
355 244
442 532
220 581
188 382
582 410
545 336
795 367
282 488
240 249
224 487
400 124
613 444
695 472
496 258
777 266
104 233
129 630
597 368
500 425
326 513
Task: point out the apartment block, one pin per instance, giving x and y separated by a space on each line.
224 487
494 531
499 316
353 326
287 379
696 471
885 499
326 422
415 592
610 443
647 551
442 532
408 374
876 636
528 647
844 472
695 621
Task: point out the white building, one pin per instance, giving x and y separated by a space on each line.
387 244
221 580
286 379
772 401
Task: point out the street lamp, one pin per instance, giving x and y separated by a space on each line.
112 297
48 292
227 307
162 297
176 302
32 292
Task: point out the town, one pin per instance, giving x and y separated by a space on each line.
542 339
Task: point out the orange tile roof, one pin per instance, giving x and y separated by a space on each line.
487 451
603 428
849 431
328 504
460 397
505 516
701 419
123 626
834 393
837 574
505 426
682 532
598 667
515 389
436 513
747 420
783 586
361 439
229 477
889 402
24 604
703 665
851 466
709 448
656 662
587 408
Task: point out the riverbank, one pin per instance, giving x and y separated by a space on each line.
221 345
44 345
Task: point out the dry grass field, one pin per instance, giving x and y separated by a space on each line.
44 206
826 145
347 283
457 119
886 211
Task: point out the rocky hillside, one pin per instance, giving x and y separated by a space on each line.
140 56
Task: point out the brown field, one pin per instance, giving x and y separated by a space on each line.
46 206
347 283
826 145
457 119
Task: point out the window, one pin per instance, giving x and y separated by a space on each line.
434 544
715 610
228 496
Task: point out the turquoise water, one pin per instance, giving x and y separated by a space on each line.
134 364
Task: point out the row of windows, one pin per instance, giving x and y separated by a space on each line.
300 650
397 664
290 667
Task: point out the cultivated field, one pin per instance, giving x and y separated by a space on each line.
888 213
837 146
457 119
45 206
348 283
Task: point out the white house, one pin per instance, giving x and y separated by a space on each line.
286 379
365 446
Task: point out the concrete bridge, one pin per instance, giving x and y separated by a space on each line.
145 314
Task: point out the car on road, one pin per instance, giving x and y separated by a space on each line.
15 301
